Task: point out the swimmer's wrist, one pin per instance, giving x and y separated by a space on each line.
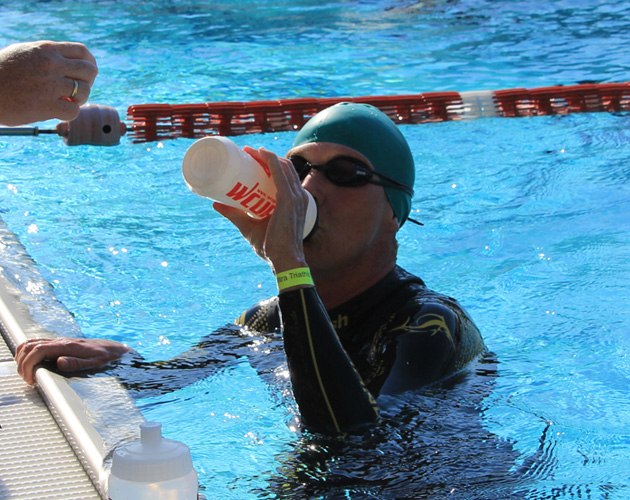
293 278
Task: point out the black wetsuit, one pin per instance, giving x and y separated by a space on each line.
395 336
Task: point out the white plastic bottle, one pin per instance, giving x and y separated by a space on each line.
152 468
216 168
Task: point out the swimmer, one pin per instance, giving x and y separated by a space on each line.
353 324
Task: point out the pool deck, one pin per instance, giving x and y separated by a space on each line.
36 460
52 444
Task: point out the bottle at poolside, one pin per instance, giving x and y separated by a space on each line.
216 168
152 468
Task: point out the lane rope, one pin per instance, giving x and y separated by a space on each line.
152 122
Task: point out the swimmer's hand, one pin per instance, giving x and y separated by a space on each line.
70 354
279 238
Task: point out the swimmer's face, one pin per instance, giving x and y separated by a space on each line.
354 222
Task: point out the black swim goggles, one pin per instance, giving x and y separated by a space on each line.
347 172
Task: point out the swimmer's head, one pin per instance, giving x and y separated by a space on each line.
373 134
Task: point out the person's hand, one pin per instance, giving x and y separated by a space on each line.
279 238
70 354
37 81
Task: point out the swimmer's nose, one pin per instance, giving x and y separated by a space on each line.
315 182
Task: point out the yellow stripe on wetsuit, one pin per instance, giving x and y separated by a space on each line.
315 365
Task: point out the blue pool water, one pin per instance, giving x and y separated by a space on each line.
526 223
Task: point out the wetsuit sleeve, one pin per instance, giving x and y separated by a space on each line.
220 349
430 345
327 388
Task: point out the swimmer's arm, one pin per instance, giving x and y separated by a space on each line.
224 347
329 391
80 356
429 347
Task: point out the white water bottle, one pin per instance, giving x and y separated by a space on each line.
152 468
216 168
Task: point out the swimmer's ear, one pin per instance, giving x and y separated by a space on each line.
394 219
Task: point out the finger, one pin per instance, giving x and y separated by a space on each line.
284 175
66 109
82 91
76 50
80 70
273 163
72 364
284 191
34 352
20 349
27 358
252 152
282 166
289 168
291 174
19 356
255 154
25 348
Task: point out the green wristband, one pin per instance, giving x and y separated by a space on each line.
294 277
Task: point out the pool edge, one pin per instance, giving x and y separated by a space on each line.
66 406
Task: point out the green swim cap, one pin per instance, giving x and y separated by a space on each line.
371 132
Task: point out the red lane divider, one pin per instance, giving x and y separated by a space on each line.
151 122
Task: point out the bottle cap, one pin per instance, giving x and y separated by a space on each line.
152 458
